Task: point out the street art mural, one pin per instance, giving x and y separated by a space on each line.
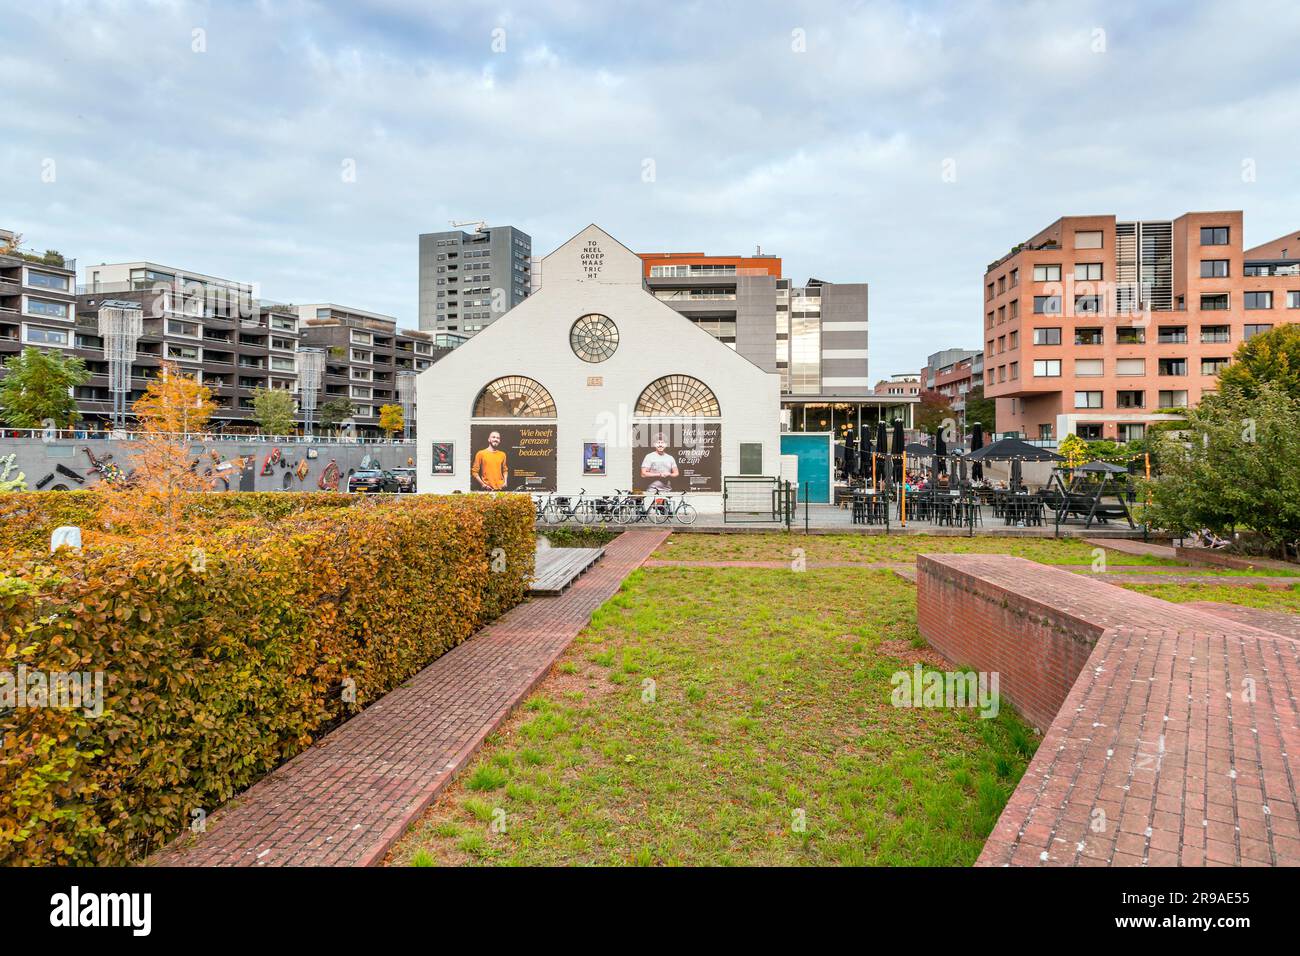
329 478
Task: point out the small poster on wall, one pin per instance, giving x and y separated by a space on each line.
593 458
444 457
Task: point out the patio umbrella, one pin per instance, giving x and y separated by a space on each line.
1011 449
1104 467
1016 476
896 449
940 453
882 441
864 455
976 443
918 450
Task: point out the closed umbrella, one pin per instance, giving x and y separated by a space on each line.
850 456
864 455
976 443
1016 476
940 451
882 442
896 449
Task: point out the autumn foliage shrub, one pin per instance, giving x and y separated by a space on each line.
222 660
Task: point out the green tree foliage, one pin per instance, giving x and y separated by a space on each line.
1233 467
981 409
37 388
334 412
1271 357
932 412
273 409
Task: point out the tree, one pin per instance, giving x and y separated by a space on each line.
1074 450
335 412
931 414
1232 466
1271 357
273 410
173 408
37 388
391 419
981 409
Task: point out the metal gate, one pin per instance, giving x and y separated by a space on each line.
757 499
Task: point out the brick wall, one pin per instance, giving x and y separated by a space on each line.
1036 647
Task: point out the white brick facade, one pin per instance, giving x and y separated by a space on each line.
594 401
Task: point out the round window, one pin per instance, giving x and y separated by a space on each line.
594 338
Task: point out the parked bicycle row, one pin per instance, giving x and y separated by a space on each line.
622 507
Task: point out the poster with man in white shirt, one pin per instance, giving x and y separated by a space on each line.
677 457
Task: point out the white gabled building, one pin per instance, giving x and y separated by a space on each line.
572 388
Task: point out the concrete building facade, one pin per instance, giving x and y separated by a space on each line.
1094 324
468 280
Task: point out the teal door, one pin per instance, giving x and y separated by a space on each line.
814 451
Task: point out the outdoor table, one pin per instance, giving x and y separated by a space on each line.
868 507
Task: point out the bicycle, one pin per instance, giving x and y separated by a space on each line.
563 507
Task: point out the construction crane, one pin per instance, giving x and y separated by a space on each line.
478 224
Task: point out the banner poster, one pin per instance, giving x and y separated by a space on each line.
444 457
678 456
593 458
513 457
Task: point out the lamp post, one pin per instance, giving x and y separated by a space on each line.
120 325
406 396
311 369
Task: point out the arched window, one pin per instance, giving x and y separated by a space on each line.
514 396
678 396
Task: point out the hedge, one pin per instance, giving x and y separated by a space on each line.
222 662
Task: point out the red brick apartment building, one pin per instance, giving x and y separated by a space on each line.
1093 325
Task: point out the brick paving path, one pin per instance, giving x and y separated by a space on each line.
1129 546
346 800
1279 622
1163 752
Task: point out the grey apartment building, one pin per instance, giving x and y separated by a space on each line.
470 279
813 335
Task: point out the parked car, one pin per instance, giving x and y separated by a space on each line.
372 481
405 479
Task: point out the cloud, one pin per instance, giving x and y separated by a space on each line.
818 131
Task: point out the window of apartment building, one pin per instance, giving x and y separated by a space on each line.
1015 308
1130 335
361 355
177 327
1002 314
1047 368
1171 366
47 280
1088 336
1090 431
1087 399
1259 300
1293 300
1213 366
1087 271
1090 239
1132 431
1173 399
1214 235
1013 340
1047 305
1002 343
1130 398
1047 336
282 364
361 338
1087 304
1214 268
361 374
1171 334
1015 278
1131 366
284 345
1002 284
1050 273
1214 303
1002 373
55 310
359 391
1089 367
990 320
989 291
1045 432
1250 331
186 353
283 324
1215 333
35 335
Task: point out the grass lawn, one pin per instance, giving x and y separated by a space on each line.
733 717
777 546
1258 595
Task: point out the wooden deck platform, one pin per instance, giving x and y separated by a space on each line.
557 568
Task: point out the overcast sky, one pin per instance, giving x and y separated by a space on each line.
905 145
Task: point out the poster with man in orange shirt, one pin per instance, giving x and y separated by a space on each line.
513 457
